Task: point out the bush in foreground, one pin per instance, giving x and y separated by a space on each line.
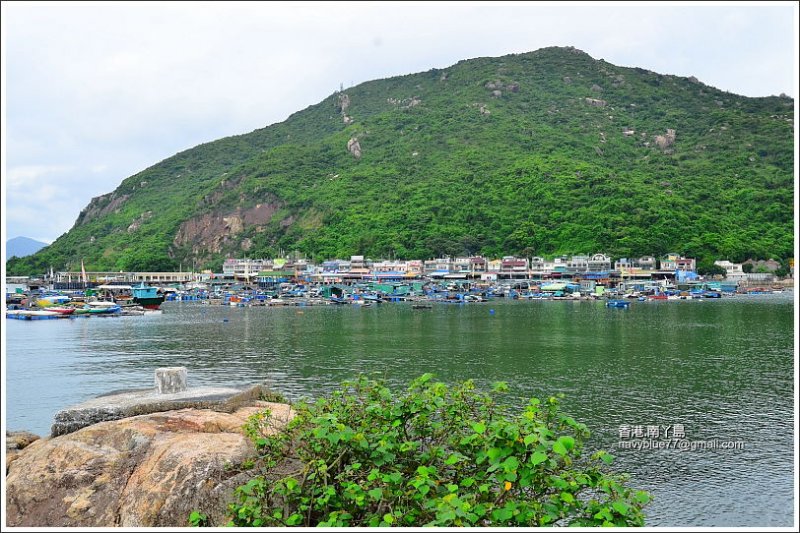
432 455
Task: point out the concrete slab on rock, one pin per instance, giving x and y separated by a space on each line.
138 402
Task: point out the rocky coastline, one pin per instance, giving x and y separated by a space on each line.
146 470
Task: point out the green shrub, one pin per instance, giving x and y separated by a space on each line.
431 455
197 519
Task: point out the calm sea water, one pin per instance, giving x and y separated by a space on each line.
723 369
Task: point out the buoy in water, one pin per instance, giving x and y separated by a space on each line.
491 311
224 319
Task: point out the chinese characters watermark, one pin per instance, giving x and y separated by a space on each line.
668 437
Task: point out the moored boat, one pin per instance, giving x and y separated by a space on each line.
61 310
54 300
147 297
99 308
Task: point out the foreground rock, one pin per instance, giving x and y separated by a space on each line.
15 442
144 471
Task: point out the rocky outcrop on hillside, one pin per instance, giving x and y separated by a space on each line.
354 147
145 471
137 222
665 141
211 231
596 102
102 205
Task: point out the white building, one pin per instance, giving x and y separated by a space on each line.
733 271
599 263
245 269
442 265
578 263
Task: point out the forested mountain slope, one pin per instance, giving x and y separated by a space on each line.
541 153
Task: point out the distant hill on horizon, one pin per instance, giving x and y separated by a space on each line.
22 247
543 153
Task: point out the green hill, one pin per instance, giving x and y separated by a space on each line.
542 153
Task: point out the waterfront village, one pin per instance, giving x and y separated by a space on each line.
297 281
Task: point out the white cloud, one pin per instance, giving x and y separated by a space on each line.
29 176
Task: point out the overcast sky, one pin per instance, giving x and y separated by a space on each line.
93 93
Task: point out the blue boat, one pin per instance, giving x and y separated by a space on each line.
618 303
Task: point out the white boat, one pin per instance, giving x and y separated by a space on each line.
29 313
100 304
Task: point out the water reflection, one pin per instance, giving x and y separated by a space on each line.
722 368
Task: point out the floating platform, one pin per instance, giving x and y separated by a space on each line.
14 315
23 316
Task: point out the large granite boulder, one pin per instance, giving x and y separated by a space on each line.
148 470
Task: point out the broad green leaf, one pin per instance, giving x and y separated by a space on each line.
559 448
294 519
502 514
567 441
511 464
620 507
538 457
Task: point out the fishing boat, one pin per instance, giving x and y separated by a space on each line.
618 303
375 298
61 310
99 307
54 300
147 297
